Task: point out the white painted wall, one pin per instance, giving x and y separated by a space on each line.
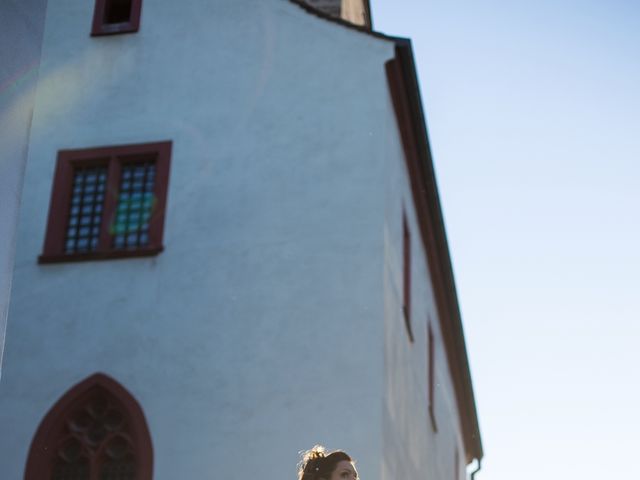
272 320
412 448
259 331
21 26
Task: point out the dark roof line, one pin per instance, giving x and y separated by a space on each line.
367 7
360 28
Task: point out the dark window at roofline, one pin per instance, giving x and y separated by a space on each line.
111 17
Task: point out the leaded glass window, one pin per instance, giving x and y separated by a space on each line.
108 202
135 204
85 211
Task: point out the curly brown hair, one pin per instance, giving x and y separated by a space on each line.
316 464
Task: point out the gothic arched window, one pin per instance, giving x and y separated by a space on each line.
96 431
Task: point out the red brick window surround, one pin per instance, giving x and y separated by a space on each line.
96 431
406 274
108 202
116 16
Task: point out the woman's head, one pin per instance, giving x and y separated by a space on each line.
317 464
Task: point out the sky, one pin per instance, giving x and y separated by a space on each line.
533 111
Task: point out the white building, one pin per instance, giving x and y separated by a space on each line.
229 248
21 26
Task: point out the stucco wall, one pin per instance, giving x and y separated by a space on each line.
21 26
259 330
412 447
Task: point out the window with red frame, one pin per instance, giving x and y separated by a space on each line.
406 269
431 381
96 431
116 16
108 202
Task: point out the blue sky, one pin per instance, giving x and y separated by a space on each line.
533 110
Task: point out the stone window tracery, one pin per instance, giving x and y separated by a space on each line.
97 434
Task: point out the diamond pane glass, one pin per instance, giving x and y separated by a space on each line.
85 213
136 201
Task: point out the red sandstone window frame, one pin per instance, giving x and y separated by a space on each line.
406 275
431 376
39 461
101 27
113 157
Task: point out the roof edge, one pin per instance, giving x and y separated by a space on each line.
433 233
367 9
359 28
